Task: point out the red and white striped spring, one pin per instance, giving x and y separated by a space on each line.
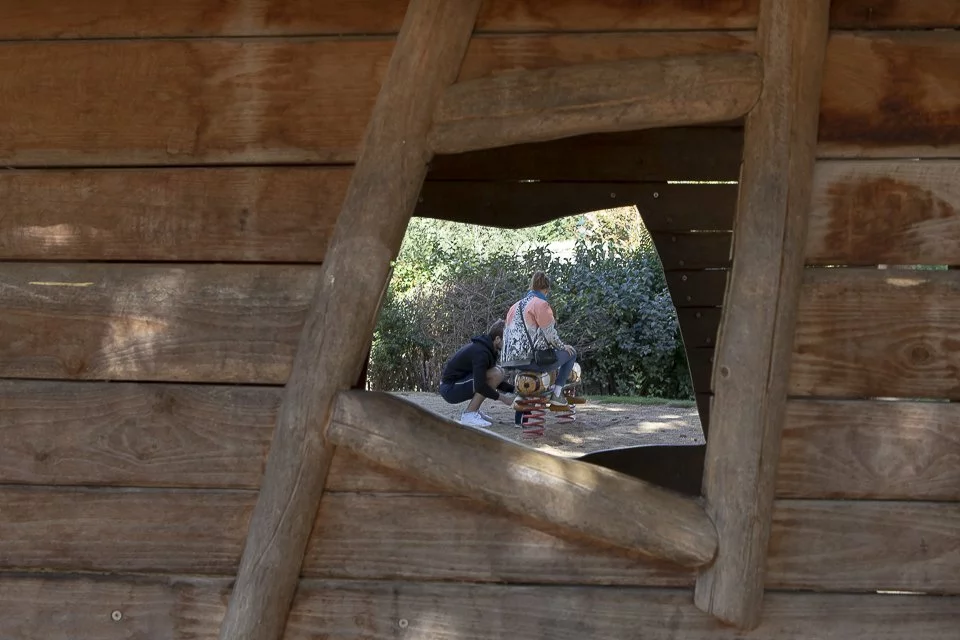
565 415
534 412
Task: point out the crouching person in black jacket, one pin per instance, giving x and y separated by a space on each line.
472 374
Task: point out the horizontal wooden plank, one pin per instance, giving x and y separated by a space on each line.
238 214
663 207
286 214
357 535
697 288
571 100
116 18
885 212
684 251
142 18
820 545
448 612
699 326
879 450
413 537
307 100
891 94
865 546
129 434
823 545
877 333
197 532
67 607
199 323
899 14
153 435
654 155
115 608
243 101
187 102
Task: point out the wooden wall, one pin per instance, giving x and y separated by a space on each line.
171 174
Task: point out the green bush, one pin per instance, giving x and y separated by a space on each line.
610 297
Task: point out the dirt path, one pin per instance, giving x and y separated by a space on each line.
598 426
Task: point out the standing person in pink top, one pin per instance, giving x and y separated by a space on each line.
540 329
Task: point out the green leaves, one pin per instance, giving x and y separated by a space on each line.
609 295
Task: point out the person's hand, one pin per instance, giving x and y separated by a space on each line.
506 399
570 350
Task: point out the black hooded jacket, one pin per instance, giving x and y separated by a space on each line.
475 358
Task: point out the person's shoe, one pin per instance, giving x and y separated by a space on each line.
485 417
558 400
473 419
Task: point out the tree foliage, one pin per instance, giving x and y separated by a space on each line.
609 293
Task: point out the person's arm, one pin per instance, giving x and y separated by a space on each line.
480 384
506 387
548 325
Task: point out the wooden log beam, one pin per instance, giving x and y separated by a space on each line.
566 497
752 361
380 200
536 106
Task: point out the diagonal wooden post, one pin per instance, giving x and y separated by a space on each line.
752 363
379 203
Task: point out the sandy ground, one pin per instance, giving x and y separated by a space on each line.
597 427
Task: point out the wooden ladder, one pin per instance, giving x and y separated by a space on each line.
420 111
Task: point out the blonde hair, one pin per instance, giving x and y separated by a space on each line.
539 282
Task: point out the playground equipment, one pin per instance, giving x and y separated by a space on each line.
531 405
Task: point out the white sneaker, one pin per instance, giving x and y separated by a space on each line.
485 417
473 419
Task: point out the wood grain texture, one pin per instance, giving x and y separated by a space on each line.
126 18
475 612
885 212
69 607
699 326
142 18
865 546
759 314
308 100
236 215
350 473
877 333
513 204
197 532
335 341
287 214
891 94
241 101
876 450
552 493
654 155
140 435
822 545
448 538
548 104
684 251
697 288
188 102
194 323
154 435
